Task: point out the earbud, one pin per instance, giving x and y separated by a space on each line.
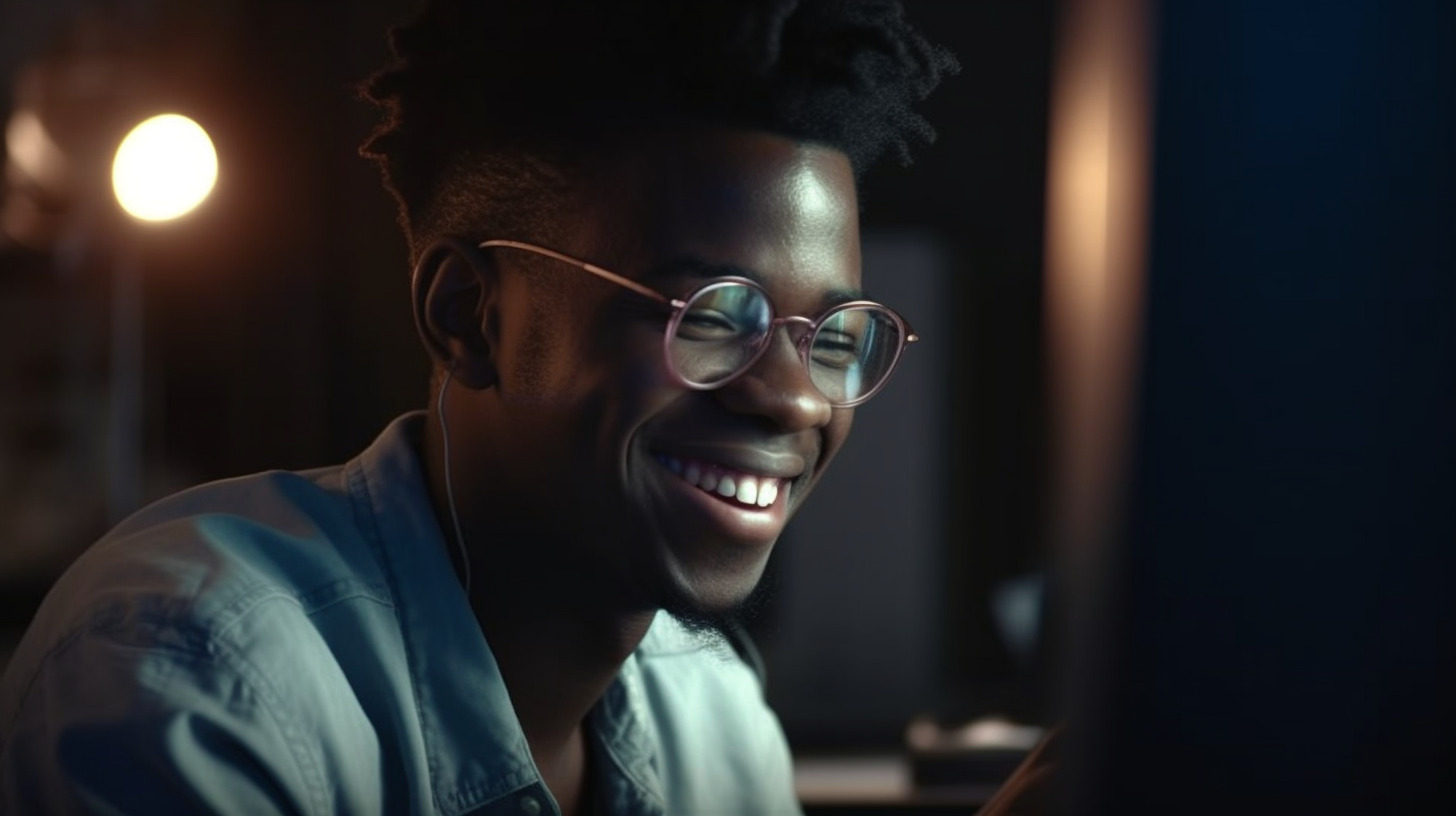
449 486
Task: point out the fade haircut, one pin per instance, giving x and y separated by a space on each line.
493 107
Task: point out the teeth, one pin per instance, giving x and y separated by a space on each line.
750 490
727 487
768 492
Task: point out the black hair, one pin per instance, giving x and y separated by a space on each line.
488 104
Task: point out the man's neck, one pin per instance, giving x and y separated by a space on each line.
557 661
559 642
556 666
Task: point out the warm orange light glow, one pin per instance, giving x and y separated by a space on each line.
34 152
164 168
1097 200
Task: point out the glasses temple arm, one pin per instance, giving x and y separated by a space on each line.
592 268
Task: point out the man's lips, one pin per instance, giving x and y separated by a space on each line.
749 488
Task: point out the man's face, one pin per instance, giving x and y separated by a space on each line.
599 439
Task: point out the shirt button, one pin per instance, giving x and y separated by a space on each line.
530 805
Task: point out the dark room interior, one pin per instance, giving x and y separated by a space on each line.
1188 482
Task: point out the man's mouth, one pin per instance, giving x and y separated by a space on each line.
744 489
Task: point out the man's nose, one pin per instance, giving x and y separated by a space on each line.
777 387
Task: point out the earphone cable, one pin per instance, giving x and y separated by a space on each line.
449 487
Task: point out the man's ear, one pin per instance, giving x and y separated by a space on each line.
454 292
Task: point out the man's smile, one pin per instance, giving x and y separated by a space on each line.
742 493
748 489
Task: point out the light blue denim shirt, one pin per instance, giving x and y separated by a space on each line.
297 643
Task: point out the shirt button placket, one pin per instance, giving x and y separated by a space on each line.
530 805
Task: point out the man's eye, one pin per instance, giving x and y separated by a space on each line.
706 324
835 350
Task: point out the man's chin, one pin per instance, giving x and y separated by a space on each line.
720 611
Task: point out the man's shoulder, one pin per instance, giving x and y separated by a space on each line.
215 631
270 503
180 574
294 533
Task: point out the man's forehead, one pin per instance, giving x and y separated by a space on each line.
730 180
678 206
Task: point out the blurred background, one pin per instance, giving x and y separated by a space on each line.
1176 459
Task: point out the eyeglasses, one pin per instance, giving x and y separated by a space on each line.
719 330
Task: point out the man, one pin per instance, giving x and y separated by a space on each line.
637 272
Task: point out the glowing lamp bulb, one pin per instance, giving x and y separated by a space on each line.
164 168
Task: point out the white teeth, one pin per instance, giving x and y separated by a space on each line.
768 492
753 491
748 490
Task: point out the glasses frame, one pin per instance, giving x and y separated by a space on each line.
678 308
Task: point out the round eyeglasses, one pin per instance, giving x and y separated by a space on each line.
719 330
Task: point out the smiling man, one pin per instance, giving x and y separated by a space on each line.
635 232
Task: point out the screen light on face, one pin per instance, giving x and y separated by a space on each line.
164 168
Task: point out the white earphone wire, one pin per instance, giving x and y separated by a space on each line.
449 487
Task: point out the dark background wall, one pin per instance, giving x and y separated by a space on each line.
278 333
1285 625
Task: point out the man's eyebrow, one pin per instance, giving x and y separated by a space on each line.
698 268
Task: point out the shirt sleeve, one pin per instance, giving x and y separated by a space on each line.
111 727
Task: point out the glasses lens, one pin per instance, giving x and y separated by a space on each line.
853 352
718 332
